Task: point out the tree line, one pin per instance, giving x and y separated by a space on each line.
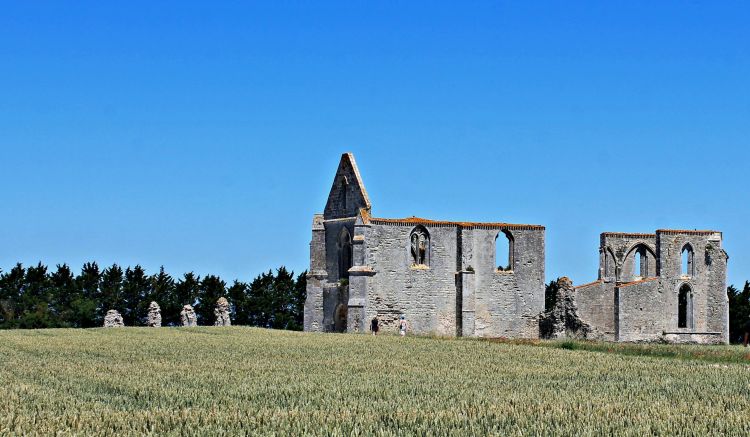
38 297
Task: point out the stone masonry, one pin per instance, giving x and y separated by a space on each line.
153 318
669 286
443 276
221 313
113 319
562 321
446 279
187 316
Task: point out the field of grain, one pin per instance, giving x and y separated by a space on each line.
209 381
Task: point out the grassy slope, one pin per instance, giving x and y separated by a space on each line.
237 380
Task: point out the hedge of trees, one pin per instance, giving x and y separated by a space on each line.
35 297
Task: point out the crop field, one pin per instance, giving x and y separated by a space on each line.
211 381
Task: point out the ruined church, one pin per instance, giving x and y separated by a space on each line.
446 279
668 286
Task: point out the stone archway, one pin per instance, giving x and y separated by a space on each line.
339 317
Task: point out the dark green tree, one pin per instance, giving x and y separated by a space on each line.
136 291
283 292
550 294
184 292
277 301
298 301
84 305
35 300
237 294
110 289
260 300
63 292
160 291
211 289
11 288
739 311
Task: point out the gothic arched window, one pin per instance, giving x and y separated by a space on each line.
504 251
687 265
420 246
345 253
640 262
685 307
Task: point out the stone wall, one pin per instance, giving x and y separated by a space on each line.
426 295
596 308
706 280
506 303
639 311
618 252
362 267
646 308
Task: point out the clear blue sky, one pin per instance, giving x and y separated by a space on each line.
205 136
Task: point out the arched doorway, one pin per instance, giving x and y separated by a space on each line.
339 317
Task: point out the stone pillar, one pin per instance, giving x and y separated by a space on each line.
467 305
154 315
221 313
187 316
313 320
113 319
359 275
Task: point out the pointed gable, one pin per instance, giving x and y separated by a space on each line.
348 193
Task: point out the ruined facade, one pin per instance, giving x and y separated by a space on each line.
668 286
442 276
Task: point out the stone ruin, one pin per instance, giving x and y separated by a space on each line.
221 312
187 316
479 279
448 278
113 319
154 315
562 320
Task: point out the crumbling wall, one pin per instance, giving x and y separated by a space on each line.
562 320
113 319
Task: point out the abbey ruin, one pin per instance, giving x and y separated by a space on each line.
445 278
668 286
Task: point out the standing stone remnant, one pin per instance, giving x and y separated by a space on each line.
154 315
222 313
562 320
187 315
113 319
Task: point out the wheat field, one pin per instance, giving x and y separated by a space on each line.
247 381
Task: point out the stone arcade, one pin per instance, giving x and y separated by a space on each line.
445 278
